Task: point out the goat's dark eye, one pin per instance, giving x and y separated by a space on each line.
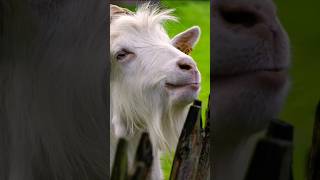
123 55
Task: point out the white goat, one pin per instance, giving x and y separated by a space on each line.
153 80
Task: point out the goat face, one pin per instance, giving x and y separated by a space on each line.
147 65
251 58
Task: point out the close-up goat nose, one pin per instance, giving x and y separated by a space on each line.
239 15
185 64
249 18
247 15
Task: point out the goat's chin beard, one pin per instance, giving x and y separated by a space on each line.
244 106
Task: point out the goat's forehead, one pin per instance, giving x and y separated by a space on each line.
135 31
134 25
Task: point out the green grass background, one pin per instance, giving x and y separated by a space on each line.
301 20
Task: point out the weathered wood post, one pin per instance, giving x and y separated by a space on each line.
203 171
273 154
143 159
185 164
314 159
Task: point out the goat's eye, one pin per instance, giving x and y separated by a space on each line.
123 55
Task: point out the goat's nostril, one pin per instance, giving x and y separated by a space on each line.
185 66
240 16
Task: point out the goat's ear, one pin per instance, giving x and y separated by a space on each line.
186 40
118 11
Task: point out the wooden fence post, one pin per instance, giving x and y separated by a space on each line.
143 159
272 159
120 165
203 171
142 164
185 164
314 159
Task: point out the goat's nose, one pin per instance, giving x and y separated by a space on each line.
239 16
247 15
252 18
185 64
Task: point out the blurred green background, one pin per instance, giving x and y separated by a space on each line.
300 19
190 13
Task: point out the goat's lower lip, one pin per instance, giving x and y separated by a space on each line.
272 77
194 86
274 72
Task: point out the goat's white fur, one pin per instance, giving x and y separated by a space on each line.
139 100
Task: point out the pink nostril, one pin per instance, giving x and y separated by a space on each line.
184 65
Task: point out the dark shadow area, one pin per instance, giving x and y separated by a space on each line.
54 92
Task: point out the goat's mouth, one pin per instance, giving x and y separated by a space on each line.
172 86
275 77
272 71
182 93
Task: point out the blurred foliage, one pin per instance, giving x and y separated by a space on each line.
300 19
